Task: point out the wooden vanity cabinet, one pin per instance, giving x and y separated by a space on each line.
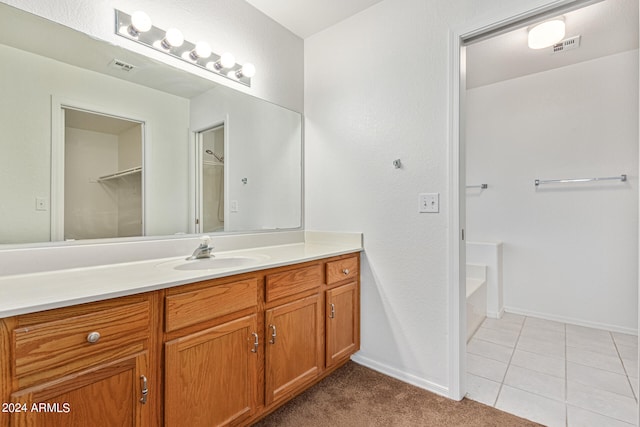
293 354
219 352
211 376
342 309
91 364
107 394
293 330
341 323
211 353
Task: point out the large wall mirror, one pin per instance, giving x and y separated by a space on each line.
93 149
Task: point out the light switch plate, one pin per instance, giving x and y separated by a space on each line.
429 202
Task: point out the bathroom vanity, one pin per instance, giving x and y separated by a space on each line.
202 349
97 333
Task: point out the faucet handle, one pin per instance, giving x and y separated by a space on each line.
205 241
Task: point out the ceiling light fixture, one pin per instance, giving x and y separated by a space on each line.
201 50
546 34
247 70
140 23
172 38
227 60
137 27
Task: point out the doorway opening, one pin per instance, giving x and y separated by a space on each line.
210 185
99 176
545 211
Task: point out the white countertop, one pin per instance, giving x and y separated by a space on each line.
28 293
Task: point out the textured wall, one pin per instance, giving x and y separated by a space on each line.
377 89
570 250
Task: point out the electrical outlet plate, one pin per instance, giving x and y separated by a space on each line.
429 202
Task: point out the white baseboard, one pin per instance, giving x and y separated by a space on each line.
496 314
572 321
401 375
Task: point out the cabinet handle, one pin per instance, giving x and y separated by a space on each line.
256 343
93 337
345 271
145 390
273 334
332 314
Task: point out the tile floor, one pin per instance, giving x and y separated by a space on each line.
554 373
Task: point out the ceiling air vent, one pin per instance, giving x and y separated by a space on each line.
121 65
567 44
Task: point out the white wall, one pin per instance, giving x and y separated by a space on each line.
129 188
90 208
376 89
570 250
228 25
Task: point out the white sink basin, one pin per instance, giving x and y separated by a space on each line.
215 263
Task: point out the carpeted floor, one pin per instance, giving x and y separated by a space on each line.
356 396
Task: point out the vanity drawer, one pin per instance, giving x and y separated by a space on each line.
291 282
208 302
342 269
68 344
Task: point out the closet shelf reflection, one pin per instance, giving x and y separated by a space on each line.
120 174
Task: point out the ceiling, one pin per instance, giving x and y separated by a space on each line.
97 122
606 28
307 17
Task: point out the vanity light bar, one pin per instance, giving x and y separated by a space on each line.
138 27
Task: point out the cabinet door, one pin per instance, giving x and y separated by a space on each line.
107 395
211 376
293 346
342 322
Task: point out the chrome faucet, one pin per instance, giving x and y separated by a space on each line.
204 250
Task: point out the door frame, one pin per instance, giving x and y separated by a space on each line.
490 24
195 181
197 173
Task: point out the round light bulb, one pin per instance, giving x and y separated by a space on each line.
227 60
546 34
173 38
248 70
202 50
140 22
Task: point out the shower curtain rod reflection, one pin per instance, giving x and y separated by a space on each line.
621 178
216 156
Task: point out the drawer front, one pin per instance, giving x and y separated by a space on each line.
291 282
342 269
66 345
192 307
